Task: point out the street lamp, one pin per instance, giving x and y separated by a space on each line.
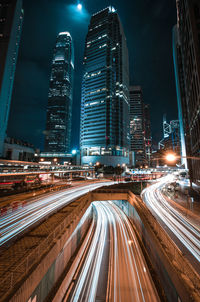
55 160
171 157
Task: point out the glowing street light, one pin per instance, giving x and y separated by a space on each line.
170 157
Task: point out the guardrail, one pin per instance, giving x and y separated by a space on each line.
175 256
8 283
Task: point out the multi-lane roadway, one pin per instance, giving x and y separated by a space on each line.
18 221
114 268
181 226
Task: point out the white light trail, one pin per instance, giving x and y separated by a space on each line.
129 277
16 222
181 226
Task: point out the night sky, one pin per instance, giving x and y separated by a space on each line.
148 28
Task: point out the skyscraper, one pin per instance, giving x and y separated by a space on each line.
180 90
59 110
137 131
188 25
171 136
147 133
105 94
11 17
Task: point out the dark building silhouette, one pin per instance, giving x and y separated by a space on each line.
59 110
188 25
105 92
137 125
11 18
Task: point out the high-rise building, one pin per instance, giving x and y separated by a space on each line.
180 91
105 92
171 136
137 126
147 133
59 110
188 25
11 18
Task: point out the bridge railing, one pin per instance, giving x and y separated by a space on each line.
15 276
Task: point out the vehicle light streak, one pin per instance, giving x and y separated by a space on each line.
129 277
181 226
18 221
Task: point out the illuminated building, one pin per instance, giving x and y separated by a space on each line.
59 110
105 95
180 90
171 136
11 17
188 26
137 126
147 133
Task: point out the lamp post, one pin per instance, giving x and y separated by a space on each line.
172 157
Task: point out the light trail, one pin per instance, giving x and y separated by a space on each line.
18 221
182 227
128 275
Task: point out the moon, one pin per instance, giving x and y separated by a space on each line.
79 6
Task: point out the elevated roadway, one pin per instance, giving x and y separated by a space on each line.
15 223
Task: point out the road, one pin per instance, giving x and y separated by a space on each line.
182 227
114 268
18 221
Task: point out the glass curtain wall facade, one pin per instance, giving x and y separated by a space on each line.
147 130
188 25
11 19
59 110
180 91
137 130
105 96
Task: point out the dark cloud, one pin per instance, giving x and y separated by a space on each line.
147 25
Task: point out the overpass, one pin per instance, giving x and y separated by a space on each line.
12 172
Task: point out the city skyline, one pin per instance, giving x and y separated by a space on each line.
116 218
42 68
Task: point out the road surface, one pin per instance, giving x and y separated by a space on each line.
18 221
114 268
182 227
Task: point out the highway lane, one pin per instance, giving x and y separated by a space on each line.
125 276
18 221
181 226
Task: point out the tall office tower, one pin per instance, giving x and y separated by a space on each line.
105 95
59 110
180 91
188 25
137 131
147 133
171 136
11 18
